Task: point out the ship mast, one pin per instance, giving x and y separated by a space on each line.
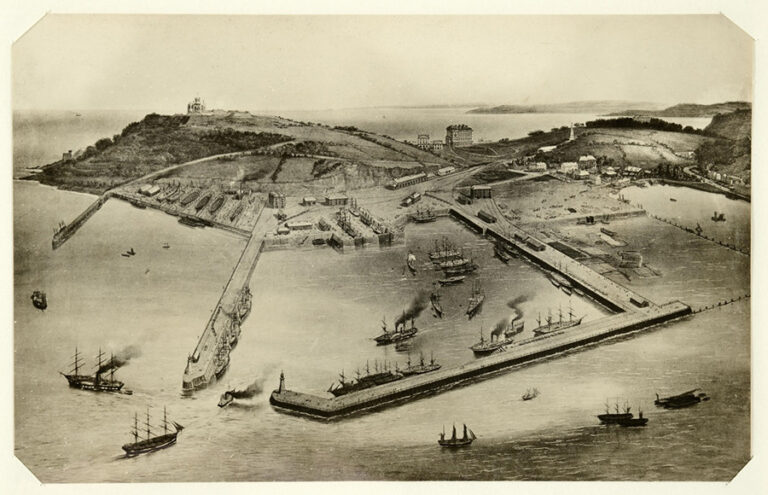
135 427
165 422
147 423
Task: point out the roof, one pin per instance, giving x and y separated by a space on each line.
336 196
587 158
547 148
569 164
292 225
309 198
406 178
481 188
458 127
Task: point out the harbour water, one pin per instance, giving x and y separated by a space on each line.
315 312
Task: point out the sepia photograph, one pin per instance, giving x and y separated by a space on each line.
256 248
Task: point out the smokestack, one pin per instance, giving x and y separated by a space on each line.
418 305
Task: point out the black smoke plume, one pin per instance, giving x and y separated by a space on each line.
249 392
513 303
120 358
417 306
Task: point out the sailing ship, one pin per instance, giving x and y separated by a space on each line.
410 260
718 217
399 334
454 442
452 280
531 393
462 269
39 300
421 368
557 325
434 299
444 253
475 300
362 382
151 443
612 418
686 399
638 421
424 216
500 337
95 382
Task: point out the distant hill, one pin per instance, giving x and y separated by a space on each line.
689 110
594 107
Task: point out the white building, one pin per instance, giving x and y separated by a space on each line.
446 171
568 167
547 149
587 161
538 167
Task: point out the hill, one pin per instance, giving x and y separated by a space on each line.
730 152
594 107
270 149
690 110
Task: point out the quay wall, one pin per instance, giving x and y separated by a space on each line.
437 381
70 229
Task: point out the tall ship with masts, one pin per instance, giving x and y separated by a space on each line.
152 442
475 299
362 382
444 252
424 215
560 324
96 382
500 336
467 439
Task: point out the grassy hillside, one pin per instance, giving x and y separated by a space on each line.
730 152
283 151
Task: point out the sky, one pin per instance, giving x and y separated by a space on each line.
71 62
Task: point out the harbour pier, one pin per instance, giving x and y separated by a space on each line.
430 383
63 234
210 359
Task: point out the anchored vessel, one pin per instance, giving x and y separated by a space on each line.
151 443
501 254
39 300
638 421
557 325
362 382
475 300
531 394
686 399
467 439
421 368
434 299
411 262
444 252
95 382
452 280
424 216
613 418
500 336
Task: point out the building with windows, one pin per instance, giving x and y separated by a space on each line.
446 170
408 180
568 167
276 200
336 200
457 135
436 145
423 141
196 106
481 191
587 161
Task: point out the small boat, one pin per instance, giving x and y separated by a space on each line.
530 394
454 442
501 254
226 399
718 217
203 201
237 212
217 203
411 262
629 422
434 299
318 242
190 197
125 255
166 245
565 289
686 399
39 300
452 280
673 200
131 252
151 443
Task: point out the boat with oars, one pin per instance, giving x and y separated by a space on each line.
151 443
455 442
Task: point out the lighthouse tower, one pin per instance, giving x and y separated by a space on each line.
282 383
572 136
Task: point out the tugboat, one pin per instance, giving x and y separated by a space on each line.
686 399
500 337
226 399
39 300
454 442
558 325
434 299
151 443
475 300
95 382
531 394
400 333
610 418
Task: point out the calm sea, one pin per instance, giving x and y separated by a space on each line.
315 312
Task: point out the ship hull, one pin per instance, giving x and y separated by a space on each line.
454 444
614 419
147 446
91 385
554 327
